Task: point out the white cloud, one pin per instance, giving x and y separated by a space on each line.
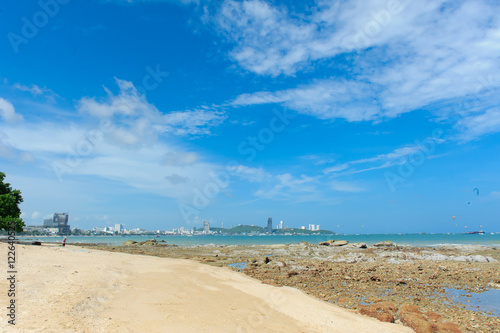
35 216
180 158
134 119
35 90
395 59
353 101
8 113
396 157
120 138
286 186
475 126
250 174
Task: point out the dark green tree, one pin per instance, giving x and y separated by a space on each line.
10 213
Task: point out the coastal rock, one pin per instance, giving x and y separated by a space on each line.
385 244
151 242
359 245
429 322
448 328
129 242
339 243
383 311
328 242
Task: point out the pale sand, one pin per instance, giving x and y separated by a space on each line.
79 290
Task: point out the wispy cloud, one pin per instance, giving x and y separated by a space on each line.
8 113
396 157
35 91
286 186
396 59
475 126
134 118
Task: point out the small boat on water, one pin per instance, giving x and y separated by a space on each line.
476 232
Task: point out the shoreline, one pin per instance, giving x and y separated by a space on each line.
420 240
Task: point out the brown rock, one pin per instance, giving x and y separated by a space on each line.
417 322
343 300
448 328
382 311
272 283
328 242
433 316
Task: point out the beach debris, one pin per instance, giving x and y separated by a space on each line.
333 242
267 260
359 245
340 243
385 244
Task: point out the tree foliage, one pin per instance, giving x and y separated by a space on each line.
10 213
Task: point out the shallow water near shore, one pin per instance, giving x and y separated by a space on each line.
400 239
487 301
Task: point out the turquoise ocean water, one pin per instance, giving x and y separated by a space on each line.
400 239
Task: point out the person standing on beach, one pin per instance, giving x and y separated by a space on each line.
64 242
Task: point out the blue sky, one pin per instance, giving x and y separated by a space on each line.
360 117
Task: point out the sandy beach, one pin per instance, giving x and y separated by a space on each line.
448 288
75 289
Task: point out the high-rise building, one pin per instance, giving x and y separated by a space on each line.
48 223
61 222
119 228
206 227
269 225
280 225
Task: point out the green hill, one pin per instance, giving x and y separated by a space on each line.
247 229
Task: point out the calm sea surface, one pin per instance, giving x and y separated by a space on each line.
400 239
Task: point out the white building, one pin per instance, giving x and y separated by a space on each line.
206 227
118 228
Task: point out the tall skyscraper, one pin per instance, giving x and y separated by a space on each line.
269 225
119 228
49 223
206 227
61 222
